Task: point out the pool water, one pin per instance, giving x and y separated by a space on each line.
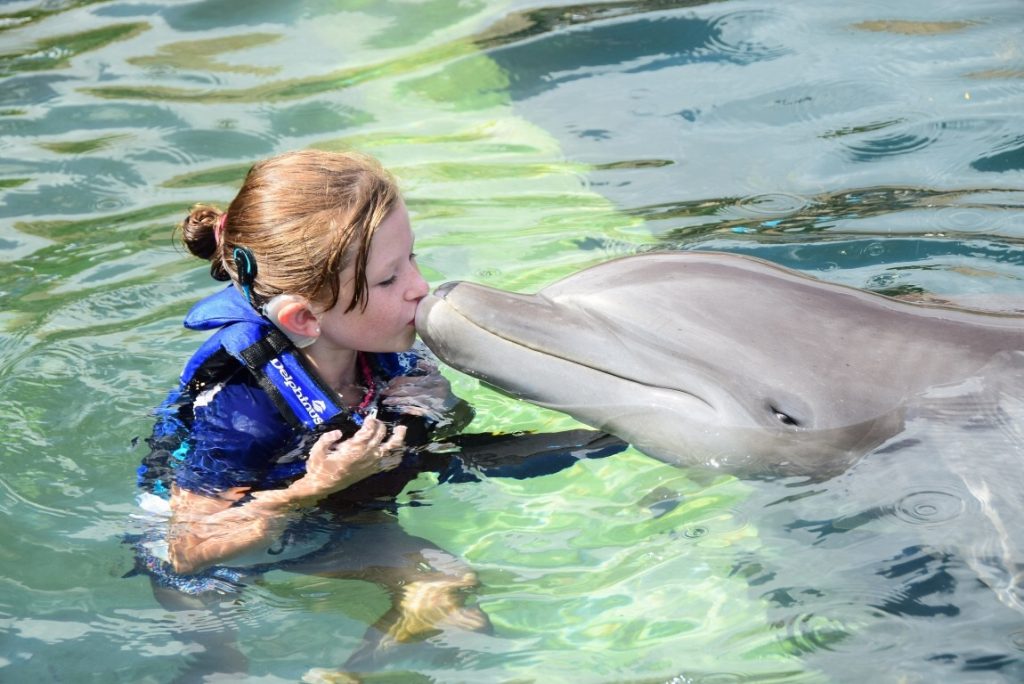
874 144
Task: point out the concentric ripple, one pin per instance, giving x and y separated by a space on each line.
930 507
892 144
807 633
724 38
771 204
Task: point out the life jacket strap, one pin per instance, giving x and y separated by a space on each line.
291 384
258 354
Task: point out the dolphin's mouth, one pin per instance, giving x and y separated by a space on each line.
472 335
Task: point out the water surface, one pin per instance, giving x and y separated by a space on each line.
876 144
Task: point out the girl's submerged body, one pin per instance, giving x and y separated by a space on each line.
291 431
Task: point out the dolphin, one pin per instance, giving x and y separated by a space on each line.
730 363
725 361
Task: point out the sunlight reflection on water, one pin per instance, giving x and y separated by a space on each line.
872 145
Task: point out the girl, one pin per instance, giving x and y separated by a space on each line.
293 420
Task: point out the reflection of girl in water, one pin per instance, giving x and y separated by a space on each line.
285 428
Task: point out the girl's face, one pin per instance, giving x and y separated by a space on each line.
394 288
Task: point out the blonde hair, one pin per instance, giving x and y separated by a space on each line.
304 216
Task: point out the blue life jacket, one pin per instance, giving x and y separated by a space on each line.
280 369
243 338
251 339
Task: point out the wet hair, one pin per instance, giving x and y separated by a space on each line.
304 216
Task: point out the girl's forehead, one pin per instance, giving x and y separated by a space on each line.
393 237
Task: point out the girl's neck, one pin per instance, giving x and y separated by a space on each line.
338 368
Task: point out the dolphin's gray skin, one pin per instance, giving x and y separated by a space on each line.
732 363
721 360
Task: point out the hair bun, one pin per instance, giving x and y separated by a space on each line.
198 233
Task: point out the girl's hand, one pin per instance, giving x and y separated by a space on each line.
209 529
335 464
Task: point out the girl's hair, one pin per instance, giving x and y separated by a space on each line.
304 216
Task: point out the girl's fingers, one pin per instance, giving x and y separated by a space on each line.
380 431
397 439
324 443
369 437
368 430
369 434
392 450
329 438
369 440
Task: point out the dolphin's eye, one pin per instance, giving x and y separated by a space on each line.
784 418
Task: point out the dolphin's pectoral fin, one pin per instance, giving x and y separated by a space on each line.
523 456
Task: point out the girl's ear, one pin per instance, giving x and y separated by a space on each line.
293 316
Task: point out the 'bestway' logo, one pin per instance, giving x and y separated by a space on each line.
314 408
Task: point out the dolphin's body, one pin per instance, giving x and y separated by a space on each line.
726 361
733 363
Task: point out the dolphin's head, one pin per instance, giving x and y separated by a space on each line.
678 355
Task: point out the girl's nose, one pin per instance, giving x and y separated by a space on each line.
419 288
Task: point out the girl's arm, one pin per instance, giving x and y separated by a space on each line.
208 530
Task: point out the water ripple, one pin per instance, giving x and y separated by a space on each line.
807 105
873 149
640 44
712 678
527 24
56 52
729 36
885 210
815 136
771 204
719 529
913 28
1006 156
930 506
806 633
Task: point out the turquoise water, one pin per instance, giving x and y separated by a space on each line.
874 144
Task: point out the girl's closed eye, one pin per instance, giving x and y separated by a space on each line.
394 277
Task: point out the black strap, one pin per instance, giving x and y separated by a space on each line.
259 353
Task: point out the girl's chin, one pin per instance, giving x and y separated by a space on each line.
410 339
403 343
